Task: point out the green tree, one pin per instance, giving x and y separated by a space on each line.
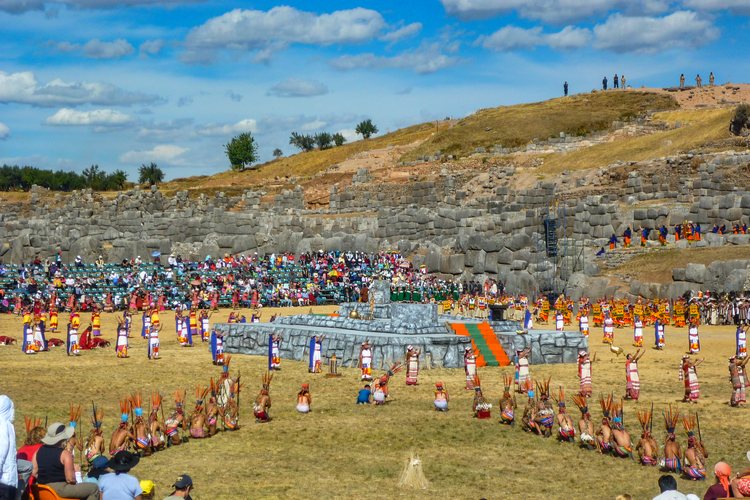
115 181
323 140
278 153
302 141
338 139
739 119
242 151
366 129
150 174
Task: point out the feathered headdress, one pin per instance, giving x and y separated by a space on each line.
212 388
31 423
225 366
97 416
560 398
507 382
395 368
200 395
644 418
75 414
688 422
155 401
137 402
477 382
543 387
671 417
236 386
606 404
179 398
266 381
125 407
582 403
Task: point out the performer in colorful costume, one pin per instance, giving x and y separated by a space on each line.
365 361
609 329
647 448
263 400
441 397
637 332
316 356
304 399
584 374
217 348
583 324
507 402
523 373
741 341
155 425
694 343
672 452
545 414
622 446
659 341
153 340
140 431
94 446
412 365
198 417
121 346
738 377
29 346
146 328
566 431
96 322
695 454
585 426
205 325
121 436
274 351
380 393
604 433
470 367
176 419
71 344
632 377
689 375
53 319
480 406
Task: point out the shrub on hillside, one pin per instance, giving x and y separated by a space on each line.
739 119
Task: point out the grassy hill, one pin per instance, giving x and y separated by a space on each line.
301 165
699 128
514 126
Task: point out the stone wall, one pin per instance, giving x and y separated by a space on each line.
452 224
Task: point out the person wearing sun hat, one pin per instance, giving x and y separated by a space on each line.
182 487
119 485
53 465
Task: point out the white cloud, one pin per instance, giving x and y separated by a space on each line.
96 117
151 47
97 49
313 125
737 6
166 131
246 125
569 38
295 87
349 134
551 11
651 34
403 32
4 131
167 153
23 88
512 38
275 29
428 58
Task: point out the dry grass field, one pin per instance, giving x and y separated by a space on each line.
346 451
513 126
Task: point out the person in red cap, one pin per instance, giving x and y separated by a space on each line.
304 399
441 397
182 487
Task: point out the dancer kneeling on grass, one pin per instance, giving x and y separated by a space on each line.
441 397
647 448
622 445
695 454
263 400
480 406
507 402
566 430
380 394
304 399
672 452
585 426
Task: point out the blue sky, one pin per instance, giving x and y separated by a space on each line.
119 83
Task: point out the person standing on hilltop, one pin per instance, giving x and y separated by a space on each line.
698 81
711 79
682 81
604 83
615 82
623 82
565 89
